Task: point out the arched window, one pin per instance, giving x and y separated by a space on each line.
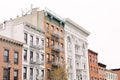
68 43
37 57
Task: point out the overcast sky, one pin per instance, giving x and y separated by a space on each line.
100 17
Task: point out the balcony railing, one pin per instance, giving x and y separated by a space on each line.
61 49
31 77
56 48
32 62
56 34
37 62
41 62
60 36
79 67
42 77
39 77
57 63
38 47
70 70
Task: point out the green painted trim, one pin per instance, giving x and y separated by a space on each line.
54 19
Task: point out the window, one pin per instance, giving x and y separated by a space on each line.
37 41
47 42
6 55
42 43
57 30
37 57
58 57
31 40
52 28
25 37
57 44
62 45
48 73
61 31
53 58
90 58
25 73
52 42
31 56
62 58
84 67
15 74
42 57
37 73
31 73
15 57
5 74
47 27
69 44
42 71
48 57
25 55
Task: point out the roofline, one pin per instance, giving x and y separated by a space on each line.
115 69
92 51
11 40
109 70
102 65
77 26
54 14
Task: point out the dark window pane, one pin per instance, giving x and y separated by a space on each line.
5 74
25 37
15 57
15 74
6 55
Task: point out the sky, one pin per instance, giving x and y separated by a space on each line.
100 17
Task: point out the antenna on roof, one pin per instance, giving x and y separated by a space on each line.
31 6
26 11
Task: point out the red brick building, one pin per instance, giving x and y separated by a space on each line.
102 71
10 52
93 65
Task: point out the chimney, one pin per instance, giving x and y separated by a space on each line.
34 10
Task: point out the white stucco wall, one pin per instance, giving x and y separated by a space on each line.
78 36
16 32
111 75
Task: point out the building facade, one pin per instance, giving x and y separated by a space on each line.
33 51
50 39
76 51
54 45
110 75
117 70
102 71
10 59
31 27
93 65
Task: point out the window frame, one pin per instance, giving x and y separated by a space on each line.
5 74
6 55
25 57
25 38
16 78
17 59
25 73
31 39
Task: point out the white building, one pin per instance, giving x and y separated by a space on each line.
33 49
76 51
110 75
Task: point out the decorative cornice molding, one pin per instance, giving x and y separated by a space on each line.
12 41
